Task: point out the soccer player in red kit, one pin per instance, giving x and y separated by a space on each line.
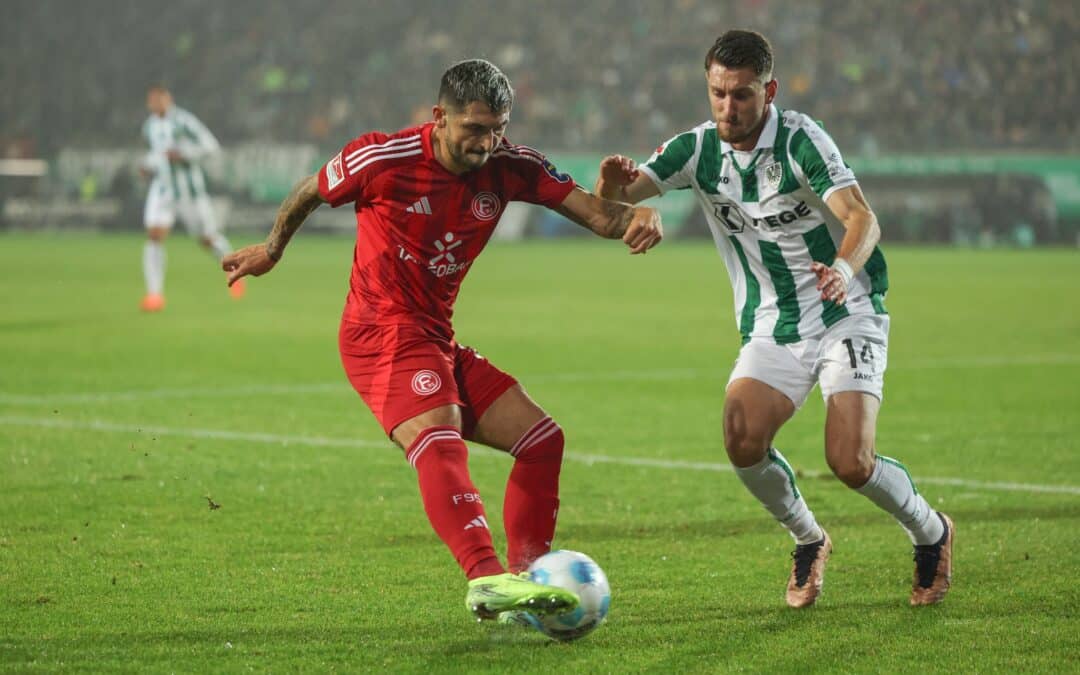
427 199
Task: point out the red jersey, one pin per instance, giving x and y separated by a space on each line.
419 227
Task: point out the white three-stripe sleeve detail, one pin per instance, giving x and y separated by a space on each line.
396 144
375 158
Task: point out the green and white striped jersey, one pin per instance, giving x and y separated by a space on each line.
178 130
766 209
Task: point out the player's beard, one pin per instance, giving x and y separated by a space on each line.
470 160
738 133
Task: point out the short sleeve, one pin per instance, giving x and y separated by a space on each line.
344 178
537 179
819 160
669 166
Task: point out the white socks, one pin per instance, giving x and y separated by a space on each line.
153 261
773 482
891 488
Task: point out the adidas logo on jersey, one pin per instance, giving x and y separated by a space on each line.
420 206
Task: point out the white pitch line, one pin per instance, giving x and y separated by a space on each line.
194 392
320 441
669 374
216 434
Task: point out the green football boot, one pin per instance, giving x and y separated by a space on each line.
508 592
516 618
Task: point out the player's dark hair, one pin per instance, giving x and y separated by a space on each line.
742 49
476 80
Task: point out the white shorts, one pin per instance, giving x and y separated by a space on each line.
851 356
162 209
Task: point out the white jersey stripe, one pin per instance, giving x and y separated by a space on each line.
380 151
359 152
376 158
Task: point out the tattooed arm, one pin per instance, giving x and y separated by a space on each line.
259 259
638 226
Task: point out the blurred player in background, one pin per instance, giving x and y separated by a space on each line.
427 199
179 142
799 241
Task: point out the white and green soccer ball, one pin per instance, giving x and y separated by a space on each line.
580 574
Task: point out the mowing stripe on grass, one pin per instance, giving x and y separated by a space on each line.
669 374
321 441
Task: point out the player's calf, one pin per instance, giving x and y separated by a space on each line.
451 501
531 504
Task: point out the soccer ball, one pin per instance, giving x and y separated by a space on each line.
575 572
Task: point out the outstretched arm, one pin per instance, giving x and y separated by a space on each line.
639 227
259 259
862 235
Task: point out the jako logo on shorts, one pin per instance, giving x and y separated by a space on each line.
426 382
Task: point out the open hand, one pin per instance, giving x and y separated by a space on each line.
253 260
618 170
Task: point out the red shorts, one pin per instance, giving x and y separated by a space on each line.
402 371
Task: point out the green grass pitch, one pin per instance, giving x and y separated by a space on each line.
120 431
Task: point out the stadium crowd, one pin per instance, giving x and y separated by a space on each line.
607 74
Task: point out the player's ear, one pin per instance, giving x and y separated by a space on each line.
770 90
438 113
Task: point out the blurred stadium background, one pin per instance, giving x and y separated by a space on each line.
959 117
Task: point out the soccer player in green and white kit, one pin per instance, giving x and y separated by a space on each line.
179 143
799 241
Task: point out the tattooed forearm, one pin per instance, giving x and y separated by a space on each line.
303 199
617 219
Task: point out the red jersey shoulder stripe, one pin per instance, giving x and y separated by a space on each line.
520 152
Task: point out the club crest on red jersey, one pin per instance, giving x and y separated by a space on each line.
426 382
485 205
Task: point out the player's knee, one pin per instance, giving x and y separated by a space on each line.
205 241
853 465
156 234
745 442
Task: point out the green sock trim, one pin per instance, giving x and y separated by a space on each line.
779 461
903 468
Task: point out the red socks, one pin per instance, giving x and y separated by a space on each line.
532 494
451 501
454 508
